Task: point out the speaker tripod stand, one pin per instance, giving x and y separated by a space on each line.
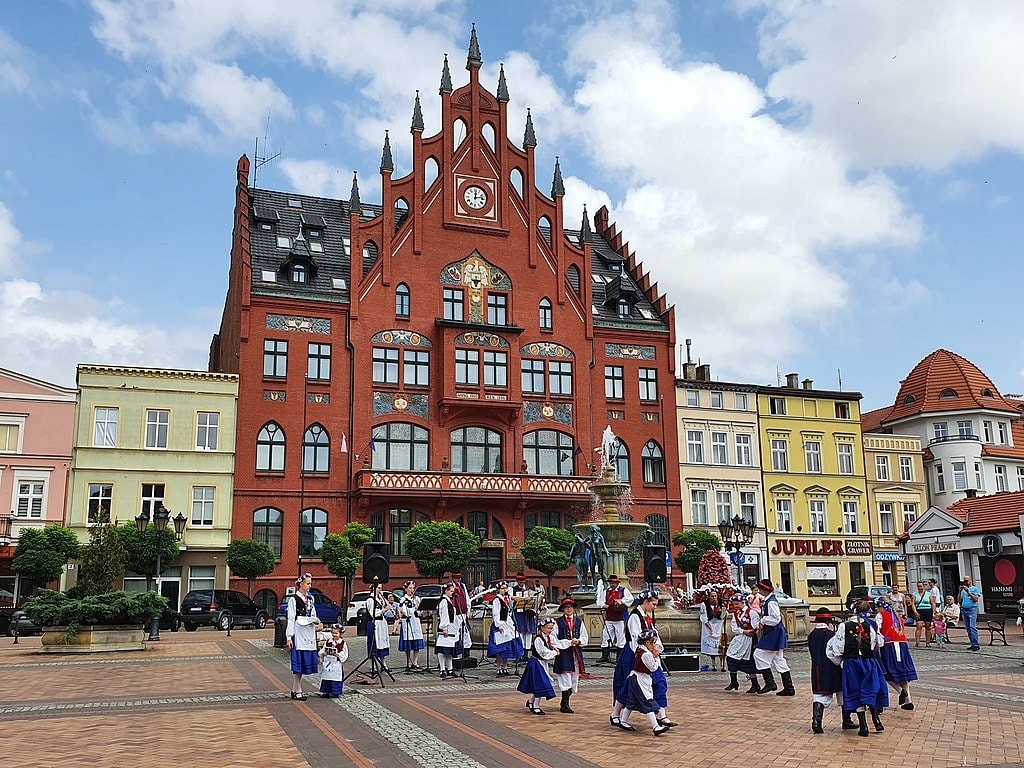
377 666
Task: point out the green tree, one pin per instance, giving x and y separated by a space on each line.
547 550
102 561
142 549
249 559
341 552
695 542
440 547
41 555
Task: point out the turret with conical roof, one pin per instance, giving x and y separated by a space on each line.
417 116
473 60
529 137
502 94
557 187
586 236
353 198
387 164
446 78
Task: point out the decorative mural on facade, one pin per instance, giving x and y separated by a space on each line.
273 394
560 412
388 403
546 349
319 325
475 338
475 274
632 351
402 338
318 398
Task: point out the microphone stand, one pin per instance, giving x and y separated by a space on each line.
377 666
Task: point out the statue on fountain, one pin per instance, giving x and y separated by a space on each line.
580 555
599 553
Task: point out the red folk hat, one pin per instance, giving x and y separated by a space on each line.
567 601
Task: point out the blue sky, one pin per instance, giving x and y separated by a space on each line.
817 187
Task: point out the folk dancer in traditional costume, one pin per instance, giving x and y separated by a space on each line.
641 683
410 638
641 618
739 656
503 642
857 643
332 658
711 627
571 638
617 600
449 630
770 648
897 664
826 675
303 625
537 679
461 600
378 634
525 619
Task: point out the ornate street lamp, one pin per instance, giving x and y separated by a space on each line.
736 534
160 517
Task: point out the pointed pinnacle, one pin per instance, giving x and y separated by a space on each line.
586 236
473 61
353 199
502 87
387 164
417 116
529 138
446 77
557 187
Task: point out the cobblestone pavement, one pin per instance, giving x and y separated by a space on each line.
223 701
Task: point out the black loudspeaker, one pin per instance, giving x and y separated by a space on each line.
466 662
376 562
654 564
681 662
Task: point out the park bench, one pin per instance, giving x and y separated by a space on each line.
995 623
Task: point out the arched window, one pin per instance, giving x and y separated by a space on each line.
572 274
947 394
488 133
299 274
987 393
653 463
516 177
484 525
909 400
312 531
270 448
400 447
402 300
620 457
659 528
548 452
544 226
369 256
267 600
401 212
393 525
545 314
548 519
267 525
460 131
316 450
430 172
476 450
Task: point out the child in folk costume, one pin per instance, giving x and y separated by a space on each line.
332 656
641 683
711 627
449 630
857 644
897 664
571 638
641 618
410 638
537 677
525 619
826 675
739 656
503 643
617 601
770 648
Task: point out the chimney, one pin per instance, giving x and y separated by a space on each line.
808 383
793 380
704 372
972 493
690 371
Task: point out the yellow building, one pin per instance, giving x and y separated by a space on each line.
896 496
815 491
146 437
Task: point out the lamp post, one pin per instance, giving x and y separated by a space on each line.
5 541
736 534
160 517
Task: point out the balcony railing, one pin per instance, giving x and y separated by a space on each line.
456 483
953 438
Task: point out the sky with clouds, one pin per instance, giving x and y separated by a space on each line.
828 188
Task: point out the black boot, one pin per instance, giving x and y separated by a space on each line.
848 724
755 687
862 718
604 656
876 720
769 681
734 682
817 712
787 685
565 703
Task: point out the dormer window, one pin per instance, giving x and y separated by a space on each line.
299 274
623 309
987 393
947 394
909 400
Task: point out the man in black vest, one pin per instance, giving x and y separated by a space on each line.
571 639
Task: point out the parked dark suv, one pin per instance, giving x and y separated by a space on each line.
221 608
327 610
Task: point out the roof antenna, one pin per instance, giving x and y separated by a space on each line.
259 162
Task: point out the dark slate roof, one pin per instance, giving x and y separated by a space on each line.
332 218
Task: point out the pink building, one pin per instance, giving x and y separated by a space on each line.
36 423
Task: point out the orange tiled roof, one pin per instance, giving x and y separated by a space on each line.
998 512
945 381
872 420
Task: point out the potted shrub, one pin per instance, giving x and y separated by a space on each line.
112 621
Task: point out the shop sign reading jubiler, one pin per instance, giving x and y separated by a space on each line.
821 547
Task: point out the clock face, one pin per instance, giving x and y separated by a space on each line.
475 198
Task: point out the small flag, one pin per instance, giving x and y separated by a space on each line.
344 443
577 452
373 444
